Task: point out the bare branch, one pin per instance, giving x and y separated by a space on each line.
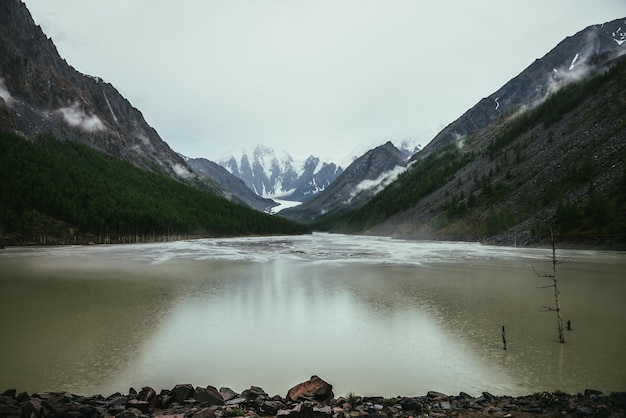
545 287
542 274
563 260
547 309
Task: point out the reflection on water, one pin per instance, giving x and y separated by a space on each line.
370 315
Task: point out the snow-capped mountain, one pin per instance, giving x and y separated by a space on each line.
362 180
273 174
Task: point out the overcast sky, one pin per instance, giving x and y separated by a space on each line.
323 77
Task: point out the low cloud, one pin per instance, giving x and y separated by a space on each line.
182 171
77 118
4 93
376 185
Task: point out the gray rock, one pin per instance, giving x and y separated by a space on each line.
236 401
208 395
584 410
228 394
180 393
149 395
142 406
436 395
410 404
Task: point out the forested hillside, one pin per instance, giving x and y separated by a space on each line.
561 164
65 192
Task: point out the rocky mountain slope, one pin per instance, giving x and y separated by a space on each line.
578 57
80 164
230 183
42 93
560 165
572 59
278 175
365 177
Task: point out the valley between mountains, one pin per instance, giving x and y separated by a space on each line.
547 150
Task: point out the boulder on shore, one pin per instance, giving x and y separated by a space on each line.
314 389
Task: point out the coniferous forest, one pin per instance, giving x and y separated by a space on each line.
63 192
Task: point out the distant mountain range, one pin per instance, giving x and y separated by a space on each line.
362 180
80 163
547 150
273 174
230 183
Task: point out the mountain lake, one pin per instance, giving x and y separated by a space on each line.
370 315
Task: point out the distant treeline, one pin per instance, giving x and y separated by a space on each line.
62 191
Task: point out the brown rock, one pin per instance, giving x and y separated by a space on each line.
209 395
314 388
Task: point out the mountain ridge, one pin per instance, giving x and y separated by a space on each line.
277 174
506 171
365 177
571 59
46 94
561 165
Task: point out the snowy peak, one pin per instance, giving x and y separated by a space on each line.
273 174
361 181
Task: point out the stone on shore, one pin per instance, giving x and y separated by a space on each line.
208 395
185 402
314 389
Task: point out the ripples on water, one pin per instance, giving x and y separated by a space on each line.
370 315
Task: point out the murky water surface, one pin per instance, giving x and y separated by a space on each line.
372 316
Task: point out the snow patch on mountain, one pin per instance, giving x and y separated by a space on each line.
276 174
282 204
619 35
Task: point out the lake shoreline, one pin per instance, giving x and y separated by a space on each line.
310 399
494 242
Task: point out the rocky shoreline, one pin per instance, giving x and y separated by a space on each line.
313 398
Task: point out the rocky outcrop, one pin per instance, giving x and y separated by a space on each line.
184 401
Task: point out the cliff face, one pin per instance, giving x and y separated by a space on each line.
41 93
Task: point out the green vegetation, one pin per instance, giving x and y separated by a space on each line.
352 398
553 108
520 167
597 217
66 191
546 399
235 412
422 178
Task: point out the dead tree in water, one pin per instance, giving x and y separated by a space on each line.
555 285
